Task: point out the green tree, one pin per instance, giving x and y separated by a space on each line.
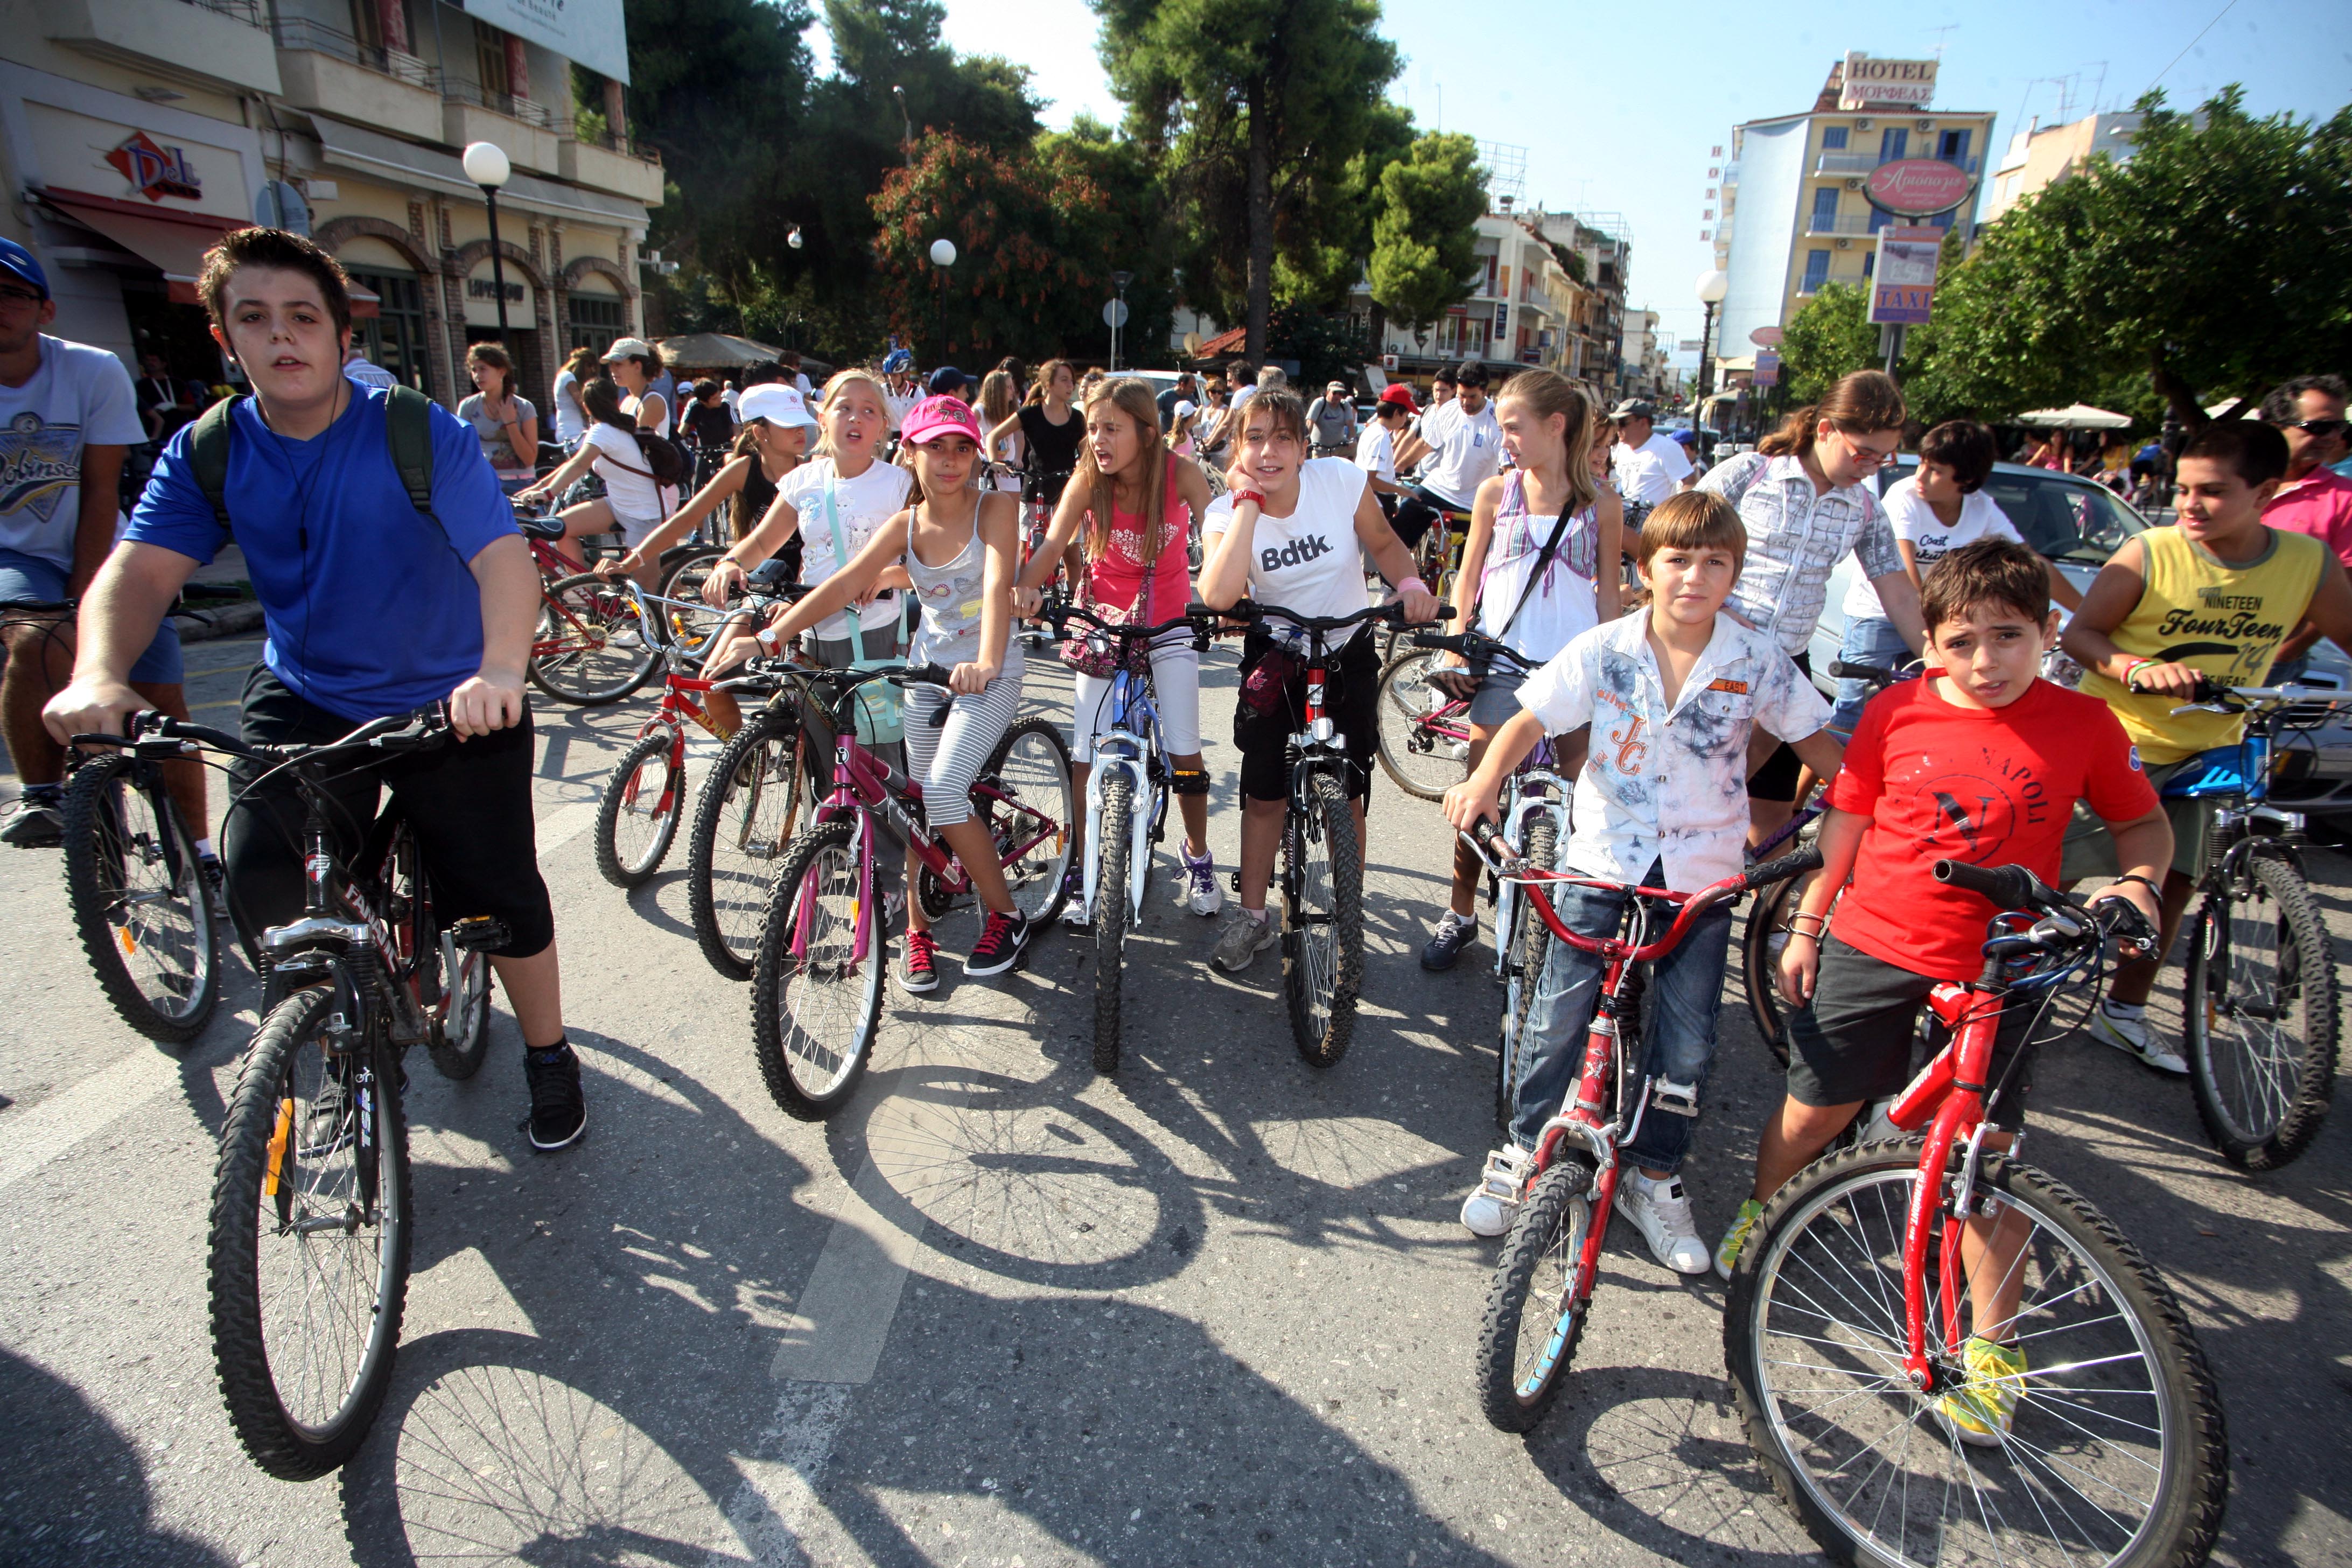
2207 265
1424 240
1124 225
1825 340
1258 107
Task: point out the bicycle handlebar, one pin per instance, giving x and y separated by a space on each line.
2015 887
1473 645
1060 611
35 608
431 727
1841 669
1251 610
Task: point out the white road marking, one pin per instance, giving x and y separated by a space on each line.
41 1133
560 827
844 1313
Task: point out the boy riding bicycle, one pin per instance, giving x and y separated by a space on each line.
2210 598
1978 761
374 607
1673 697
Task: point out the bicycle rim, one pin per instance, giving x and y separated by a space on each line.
815 1000
1322 915
1533 1317
1419 747
2110 1459
755 794
2261 1012
639 816
140 902
587 648
310 1241
1028 802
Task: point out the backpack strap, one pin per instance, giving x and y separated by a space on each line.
408 430
208 456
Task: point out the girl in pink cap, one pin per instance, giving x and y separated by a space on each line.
960 546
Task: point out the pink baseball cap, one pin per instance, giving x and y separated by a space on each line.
942 416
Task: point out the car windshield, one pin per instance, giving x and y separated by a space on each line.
2069 520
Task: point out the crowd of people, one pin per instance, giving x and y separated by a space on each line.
1663 614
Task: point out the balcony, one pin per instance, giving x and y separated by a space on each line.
212 43
1849 223
1845 164
610 162
336 73
526 129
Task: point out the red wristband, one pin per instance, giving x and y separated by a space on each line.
1241 496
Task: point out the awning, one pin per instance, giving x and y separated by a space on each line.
715 350
2074 417
172 241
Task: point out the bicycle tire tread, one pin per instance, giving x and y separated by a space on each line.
1545 1210
2299 914
1348 929
608 815
767 1023
702 838
80 815
1114 843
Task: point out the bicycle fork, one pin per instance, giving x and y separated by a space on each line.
1139 862
1946 1096
1582 1120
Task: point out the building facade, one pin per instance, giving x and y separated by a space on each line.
2037 157
1795 203
133 134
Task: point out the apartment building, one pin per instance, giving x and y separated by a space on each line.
1803 194
2039 157
133 134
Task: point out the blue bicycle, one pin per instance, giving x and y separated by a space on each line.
1129 784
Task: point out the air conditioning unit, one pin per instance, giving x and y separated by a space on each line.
1845 245
1923 125
1853 184
1861 125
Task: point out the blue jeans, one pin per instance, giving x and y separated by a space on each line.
34 579
1869 639
1678 1017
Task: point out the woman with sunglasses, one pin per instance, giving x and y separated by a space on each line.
1805 496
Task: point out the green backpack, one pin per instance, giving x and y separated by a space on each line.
408 432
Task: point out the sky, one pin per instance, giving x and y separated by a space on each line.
1618 108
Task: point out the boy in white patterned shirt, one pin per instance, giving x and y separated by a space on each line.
1672 696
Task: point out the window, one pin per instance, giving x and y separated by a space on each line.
1817 271
1825 203
490 59
594 320
394 337
1892 144
1869 262
1833 138
1952 147
1879 219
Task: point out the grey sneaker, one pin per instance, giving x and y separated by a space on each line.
1453 933
33 823
1242 939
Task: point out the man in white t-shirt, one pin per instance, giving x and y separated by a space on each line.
1376 449
67 419
366 372
1465 449
1647 467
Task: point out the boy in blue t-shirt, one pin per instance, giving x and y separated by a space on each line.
373 609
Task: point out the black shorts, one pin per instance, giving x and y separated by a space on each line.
1351 692
1852 1042
1776 779
468 803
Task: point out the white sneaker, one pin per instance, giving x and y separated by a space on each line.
2136 1039
1076 912
1484 1214
1661 1212
1493 1202
1199 891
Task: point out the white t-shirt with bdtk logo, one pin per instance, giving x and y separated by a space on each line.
1308 561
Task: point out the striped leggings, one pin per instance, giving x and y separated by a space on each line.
945 758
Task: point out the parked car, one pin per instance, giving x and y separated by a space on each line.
2078 523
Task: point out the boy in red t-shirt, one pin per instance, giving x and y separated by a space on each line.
1982 762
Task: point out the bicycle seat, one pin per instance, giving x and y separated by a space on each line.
537 526
2222 771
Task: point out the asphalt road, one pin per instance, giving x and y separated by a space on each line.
997 1311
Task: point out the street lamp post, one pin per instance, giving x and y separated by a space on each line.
943 255
1119 282
1713 285
486 164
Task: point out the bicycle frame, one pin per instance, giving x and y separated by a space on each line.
1533 789
1130 746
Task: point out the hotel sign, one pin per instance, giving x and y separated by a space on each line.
1886 84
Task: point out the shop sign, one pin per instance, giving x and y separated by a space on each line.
1903 278
1886 84
1918 187
156 172
1768 368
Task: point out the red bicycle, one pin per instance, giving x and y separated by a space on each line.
1543 1289
589 649
1944 1355
638 817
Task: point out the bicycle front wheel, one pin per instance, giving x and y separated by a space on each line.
1528 945
1026 797
743 820
1114 842
1323 920
2261 1013
2116 1453
816 978
588 649
639 816
139 899
310 1240
1424 734
1533 1316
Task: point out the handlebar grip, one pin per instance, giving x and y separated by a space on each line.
2011 887
1486 831
923 675
1841 670
1795 863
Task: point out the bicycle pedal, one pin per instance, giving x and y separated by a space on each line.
1507 1173
479 932
1673 1099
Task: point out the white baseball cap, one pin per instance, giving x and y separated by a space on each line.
777 404
632 348
1184 406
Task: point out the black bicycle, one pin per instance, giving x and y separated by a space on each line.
310 1216
1322 868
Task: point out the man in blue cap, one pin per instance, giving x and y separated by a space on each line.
68 418
948 381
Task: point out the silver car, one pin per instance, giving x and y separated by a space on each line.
2078 524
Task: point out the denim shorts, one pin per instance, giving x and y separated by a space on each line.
1497 702
30 578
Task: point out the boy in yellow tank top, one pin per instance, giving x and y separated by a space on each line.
2213 596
